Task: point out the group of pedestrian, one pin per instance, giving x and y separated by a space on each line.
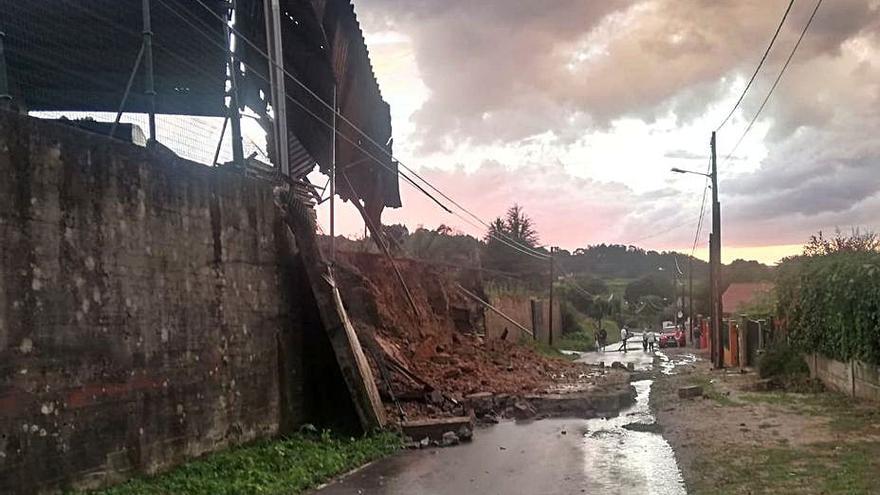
649 339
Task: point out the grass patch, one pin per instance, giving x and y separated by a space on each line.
819 468
548 350
284 466
580 341
845 414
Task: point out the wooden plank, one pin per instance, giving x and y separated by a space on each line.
495 310
343 338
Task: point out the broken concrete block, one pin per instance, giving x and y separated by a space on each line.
631 366
523 410
435 428
690 392
481 402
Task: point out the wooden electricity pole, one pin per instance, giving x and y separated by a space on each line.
552 277
715 264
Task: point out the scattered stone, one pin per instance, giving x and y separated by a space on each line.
465 434
441 358
563 432
690 392
523 410
617 365
490 418
308 429
452 373
449 439
644 427
424 443
436 397
630 366
481 402
434 429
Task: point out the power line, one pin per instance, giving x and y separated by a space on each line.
758 68
702 210
781 72
362 133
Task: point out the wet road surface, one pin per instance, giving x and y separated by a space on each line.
536 458
641 359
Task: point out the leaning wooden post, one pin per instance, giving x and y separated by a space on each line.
299 216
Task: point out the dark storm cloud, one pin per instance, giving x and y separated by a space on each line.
499 71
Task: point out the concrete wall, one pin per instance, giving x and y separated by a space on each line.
519 309
853 378
141 310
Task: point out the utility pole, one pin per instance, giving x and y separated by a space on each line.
715 262
552 277
691 297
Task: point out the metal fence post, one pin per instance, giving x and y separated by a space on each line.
5 97
149 83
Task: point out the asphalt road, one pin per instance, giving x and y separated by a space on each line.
547 457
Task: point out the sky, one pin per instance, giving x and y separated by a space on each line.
577 110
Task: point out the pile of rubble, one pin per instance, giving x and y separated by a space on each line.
428 366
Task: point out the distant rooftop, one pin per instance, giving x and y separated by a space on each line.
738 295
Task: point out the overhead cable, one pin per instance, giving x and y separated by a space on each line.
776 82
758 68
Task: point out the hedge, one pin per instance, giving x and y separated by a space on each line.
831 304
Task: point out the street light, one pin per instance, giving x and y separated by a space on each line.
682 171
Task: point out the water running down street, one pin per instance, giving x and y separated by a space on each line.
619 455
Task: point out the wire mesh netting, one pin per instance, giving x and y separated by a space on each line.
74 60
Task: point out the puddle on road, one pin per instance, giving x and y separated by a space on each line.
620 460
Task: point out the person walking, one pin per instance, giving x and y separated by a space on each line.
652 338
624 334
645 340
603 338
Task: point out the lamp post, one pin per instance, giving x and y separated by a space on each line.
714 260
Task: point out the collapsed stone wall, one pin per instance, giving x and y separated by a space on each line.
143 303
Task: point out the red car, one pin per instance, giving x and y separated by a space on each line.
672 336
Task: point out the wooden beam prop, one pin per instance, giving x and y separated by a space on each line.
299 217
494 310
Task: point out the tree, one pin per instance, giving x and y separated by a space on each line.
603 307
856 242
508 241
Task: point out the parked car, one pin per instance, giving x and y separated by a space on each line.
671 336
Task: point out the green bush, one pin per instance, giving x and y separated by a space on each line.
830 304
782 360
